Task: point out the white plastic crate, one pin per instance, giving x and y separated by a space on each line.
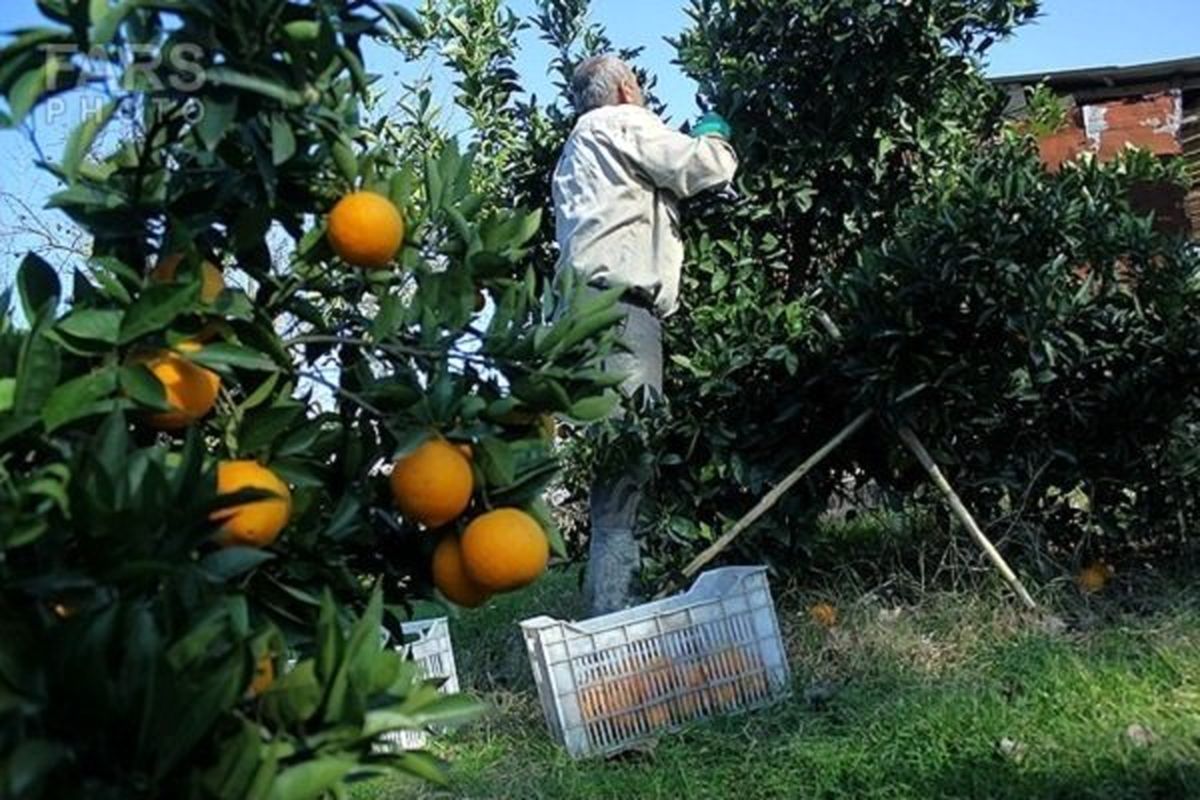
434 654
611 681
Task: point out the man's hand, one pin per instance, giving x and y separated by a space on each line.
712 124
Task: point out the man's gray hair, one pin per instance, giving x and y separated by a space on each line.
597 80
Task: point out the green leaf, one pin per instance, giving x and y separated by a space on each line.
342 697
8 388
310 780
283 141
541 512
13 426
296 696
495 458
38 369
267 87
139 383
79 398
401 18
189 471
592 409
358 74
303 31
110 446
434 186
261 394
28 764
513 231
400 186
220 110
93 325
346 161
79 144
105 25
442 711
329 642
424 766
39 287
231 562
299 473
210 697
301 441
223 354
391 314
31 87
262 427
156 308
239 760
346 518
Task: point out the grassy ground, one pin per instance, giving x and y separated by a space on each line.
959 697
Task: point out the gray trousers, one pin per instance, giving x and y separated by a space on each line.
613 558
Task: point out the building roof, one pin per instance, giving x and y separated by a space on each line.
1183 73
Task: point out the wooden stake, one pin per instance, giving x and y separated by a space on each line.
956 505
772 497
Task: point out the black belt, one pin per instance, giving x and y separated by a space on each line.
633 296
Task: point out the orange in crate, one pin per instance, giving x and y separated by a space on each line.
612 681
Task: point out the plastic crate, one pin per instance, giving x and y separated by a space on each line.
609 682
434 654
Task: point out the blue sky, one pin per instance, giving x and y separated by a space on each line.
1071 33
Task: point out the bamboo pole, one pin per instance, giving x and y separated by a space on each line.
956 505
772 497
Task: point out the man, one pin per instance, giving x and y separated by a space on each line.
616 187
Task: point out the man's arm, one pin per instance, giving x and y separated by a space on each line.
676 162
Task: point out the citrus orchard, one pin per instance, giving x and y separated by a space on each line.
433 484
366 230
257 523
504 550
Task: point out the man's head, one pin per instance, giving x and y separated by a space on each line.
605 81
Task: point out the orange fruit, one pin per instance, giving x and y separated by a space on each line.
366 229
212 282
657 716
505 549
264 676
1094 577
433 484
191 390
823 614
593 702
259 522
451 579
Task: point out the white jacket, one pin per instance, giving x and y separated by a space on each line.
615 192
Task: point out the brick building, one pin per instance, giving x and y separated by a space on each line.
1153 106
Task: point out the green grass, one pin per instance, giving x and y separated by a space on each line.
920 703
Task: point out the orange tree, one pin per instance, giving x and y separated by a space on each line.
200 543
878 184
1050 324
